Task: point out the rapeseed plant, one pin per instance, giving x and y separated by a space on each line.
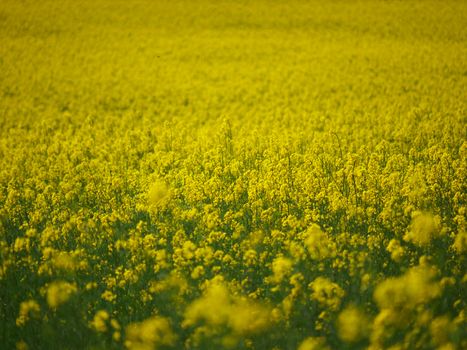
248 175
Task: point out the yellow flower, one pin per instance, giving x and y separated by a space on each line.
397 252
27 309
352 324
109 296
327 293
158 194
64 261
189 250
281 267
423 229
22 244
313 343
318 243
59 292
460 242
99 322
250 257
150 334
415 287
384 320
211 307
218 308
22 345
441 329
116 336
197 272
247 317
365 281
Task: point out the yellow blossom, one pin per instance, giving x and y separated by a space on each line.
415 287
441 329
150 334
318 243
99 322
397 252
327 293
423 229
352 324
460 242
27 309
158 194
109 296
313 343
281 267
217 307
59 292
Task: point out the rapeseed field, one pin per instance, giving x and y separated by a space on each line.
255 174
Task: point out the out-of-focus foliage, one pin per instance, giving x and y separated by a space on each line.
233 174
